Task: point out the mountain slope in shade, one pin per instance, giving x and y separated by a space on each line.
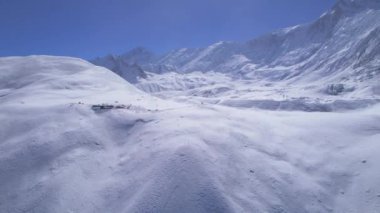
127 69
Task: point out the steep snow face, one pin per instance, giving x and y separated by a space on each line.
203 59
330 50
58 154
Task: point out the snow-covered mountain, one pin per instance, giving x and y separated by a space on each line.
225 128
330 64
78 138
125 66
341 47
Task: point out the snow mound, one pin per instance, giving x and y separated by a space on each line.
54 80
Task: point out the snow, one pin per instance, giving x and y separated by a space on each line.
223 89
330 64
59 155
340 47
288 122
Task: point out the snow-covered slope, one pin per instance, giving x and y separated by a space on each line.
342 47
343 40
52 80
327 65
58 154
221 89
230 131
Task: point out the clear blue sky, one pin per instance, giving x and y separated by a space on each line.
90 28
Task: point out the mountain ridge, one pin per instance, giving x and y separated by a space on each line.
341 46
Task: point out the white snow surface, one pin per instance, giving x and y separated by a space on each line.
285 123
59 155
223 89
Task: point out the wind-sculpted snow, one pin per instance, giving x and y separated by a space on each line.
59 154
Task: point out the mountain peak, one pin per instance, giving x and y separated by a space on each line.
353 5
139 50
137 55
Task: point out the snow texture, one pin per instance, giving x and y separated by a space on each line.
342 47
288 122
57 154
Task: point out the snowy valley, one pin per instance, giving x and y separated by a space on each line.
329 62
287 122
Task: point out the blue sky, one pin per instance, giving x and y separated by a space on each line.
90 28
